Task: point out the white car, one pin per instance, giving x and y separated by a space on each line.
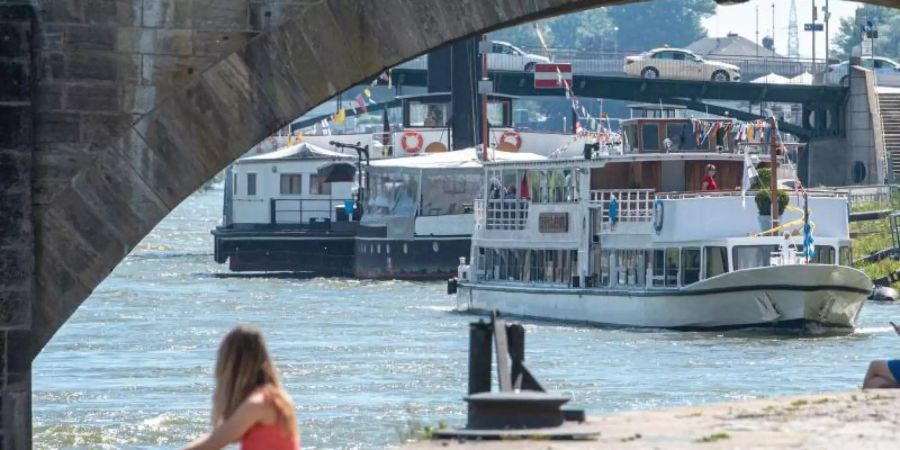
681 64
884 68
505 56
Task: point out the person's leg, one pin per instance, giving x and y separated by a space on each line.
880 376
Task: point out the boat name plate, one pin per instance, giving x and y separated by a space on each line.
553 222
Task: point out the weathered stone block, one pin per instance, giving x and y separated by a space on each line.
103 66
270 15
50 37
14 37
216 43
154 41
65 11
171 71
101 128
48 96
112 12
91 37
50 66
94 97
167 13
139 98
169 177
15 126
15 308
284 92
216 15
16 265
15 208
57 127
15 85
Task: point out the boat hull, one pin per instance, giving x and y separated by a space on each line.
827 295
418 258
319 253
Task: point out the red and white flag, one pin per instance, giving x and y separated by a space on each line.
552 75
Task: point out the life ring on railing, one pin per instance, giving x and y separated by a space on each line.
415 146
658 215
513 136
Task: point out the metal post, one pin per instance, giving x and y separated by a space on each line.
773 164
272 211
480 358
484 102
814 36
827 20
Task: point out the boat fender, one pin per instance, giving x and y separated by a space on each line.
452 284
412 142
658 215
512 137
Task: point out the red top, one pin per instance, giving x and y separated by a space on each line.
268 437
710 183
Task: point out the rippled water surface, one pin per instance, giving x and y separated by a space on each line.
368 363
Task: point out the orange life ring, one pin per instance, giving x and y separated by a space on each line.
412 148
515 136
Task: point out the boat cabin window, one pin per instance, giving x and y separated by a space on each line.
690 266
682 136
251 183
631 141
601 265
318 186
750 256
846 256
824 254
498 114
534 266
290 184
664 268
446 193
630 268
716 261
428 114
392 194
649 137
550 186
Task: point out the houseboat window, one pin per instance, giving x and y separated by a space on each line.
290 183
846 256
650 137
665 268
681 135
445 194
392 194
496 113
630 268
750 256
423 114
824 254
630 138
601 266
716 261
671 267
538 266
318 186
690 266
549 186
251 184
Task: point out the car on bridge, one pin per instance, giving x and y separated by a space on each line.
505 56
887 71
679 64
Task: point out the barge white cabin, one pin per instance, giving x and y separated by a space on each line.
629 240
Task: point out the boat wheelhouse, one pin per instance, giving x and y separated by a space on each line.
418 217
282 214
630 240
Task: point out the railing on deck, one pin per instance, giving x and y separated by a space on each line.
505 214
634 205
820 193
310 211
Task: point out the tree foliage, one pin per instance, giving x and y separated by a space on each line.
641 26
886 21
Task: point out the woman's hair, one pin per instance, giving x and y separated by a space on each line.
242 366
710 167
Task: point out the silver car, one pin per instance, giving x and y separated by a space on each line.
505 56
680 64
887 71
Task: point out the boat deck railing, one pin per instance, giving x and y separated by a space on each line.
502 214
305 210
816 193
628 205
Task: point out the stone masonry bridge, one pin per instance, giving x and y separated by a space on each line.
114 111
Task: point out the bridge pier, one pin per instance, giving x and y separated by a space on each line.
17 244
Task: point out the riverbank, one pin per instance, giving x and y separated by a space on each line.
844 420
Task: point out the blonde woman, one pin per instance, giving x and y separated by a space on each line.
249 403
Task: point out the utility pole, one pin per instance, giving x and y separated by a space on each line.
814 16
757 31
773 29
827 45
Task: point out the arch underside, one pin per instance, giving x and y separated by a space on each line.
249 68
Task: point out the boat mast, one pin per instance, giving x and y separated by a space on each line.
484 102
773 158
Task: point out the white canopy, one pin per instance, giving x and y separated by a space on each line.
459 159
803 78
298 151
772 78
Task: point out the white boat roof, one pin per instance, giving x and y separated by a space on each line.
459 159
300 151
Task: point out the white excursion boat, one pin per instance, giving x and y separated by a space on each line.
629 240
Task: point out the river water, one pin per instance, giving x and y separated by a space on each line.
369 363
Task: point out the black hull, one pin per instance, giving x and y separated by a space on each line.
420 258
320 253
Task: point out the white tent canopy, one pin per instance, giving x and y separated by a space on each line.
772 78
463 159
299 151
804 78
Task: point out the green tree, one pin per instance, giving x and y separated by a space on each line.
887 22
675 23
586 30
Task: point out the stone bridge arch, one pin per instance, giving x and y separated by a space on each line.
120 109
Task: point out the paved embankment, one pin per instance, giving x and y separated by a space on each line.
845 420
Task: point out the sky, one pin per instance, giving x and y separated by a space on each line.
741 19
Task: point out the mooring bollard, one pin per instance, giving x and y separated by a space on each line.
479 357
